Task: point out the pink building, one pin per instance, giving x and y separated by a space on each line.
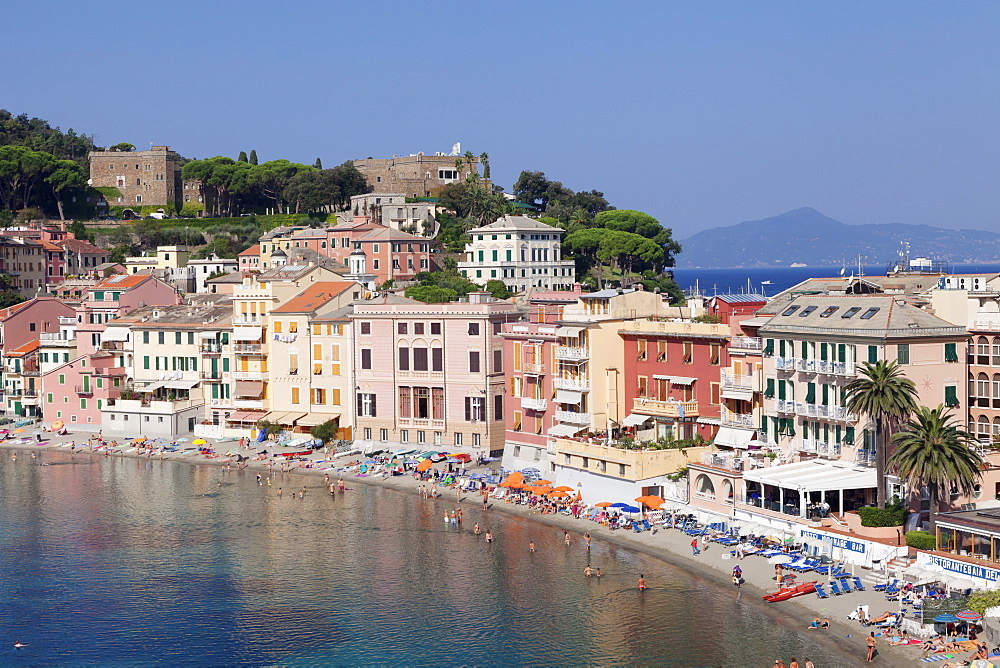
391 254
431 374
76 391
114 297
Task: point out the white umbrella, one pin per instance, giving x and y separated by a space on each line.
781 559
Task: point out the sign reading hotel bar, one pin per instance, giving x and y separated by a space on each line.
964 568
835 541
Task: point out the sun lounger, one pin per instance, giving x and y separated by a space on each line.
883 587
646 525
821 592
857 583
845 585
835 588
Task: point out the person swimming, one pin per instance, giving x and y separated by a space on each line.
19 645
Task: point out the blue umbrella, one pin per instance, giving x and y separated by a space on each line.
624 506
946 618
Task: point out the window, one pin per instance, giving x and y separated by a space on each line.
473 361
419 359
872 354
830 310
366 328
401 328
689 352
366 358
791 310
517 421
806 311
319 396
851 311
475 409
867 315
497 361
295 395
293 327
903 353
473 329
642 350
404 359
715 355
951 352
436 328
161 338
642 388
366 405
177 337
418 328
383 434
951 396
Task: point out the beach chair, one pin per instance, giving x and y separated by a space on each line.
883 587
821 592
646 525
845 585
857 583
835 588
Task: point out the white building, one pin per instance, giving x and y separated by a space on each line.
521 252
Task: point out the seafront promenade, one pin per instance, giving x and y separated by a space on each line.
671 546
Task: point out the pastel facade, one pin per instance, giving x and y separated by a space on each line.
519 251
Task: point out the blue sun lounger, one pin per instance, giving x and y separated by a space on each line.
821 592
857 583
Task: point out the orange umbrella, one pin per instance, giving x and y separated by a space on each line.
424 465
513 479
558 494
57 425
543 482
603 504
564 488
542 489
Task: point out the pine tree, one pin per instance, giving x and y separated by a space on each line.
318 164
253 156
243 157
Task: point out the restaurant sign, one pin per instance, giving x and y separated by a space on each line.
836 541
964 568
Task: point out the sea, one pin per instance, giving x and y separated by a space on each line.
769 281
131 562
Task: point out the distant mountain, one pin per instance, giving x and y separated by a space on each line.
806 236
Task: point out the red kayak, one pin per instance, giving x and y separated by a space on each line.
786 593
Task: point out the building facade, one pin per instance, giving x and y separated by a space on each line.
519 251
143 178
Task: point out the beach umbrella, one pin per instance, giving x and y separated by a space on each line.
558 494
513 479
543 482
140 439
199 441
57 425
780 559
531 471
452 460
424 465
603 504
563 488
19 431
411 461
625 507
462 457
969 616
183 440
946 618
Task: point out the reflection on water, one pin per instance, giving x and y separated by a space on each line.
128 561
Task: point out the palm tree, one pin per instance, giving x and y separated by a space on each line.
887 397
933 451
485 159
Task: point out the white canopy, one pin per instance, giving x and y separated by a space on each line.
815 475
206 335
634 419
737 393
682 380
569 332
568 397
179 384
733 437
563 430
115 334
246 333
660 376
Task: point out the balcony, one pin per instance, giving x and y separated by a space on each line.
820 448
248 348
84 389
208 374
161 406
248 319
572 353
572 417
784 363
747 343
67 321
737 419
250 375
534 404
805 366
577 384
30 392
670 409
737 382
784 406
864 457
211 349
247 403
31 372
533 369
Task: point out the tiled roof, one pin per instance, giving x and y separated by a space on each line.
81 246
28 347
882 316
741 299
253 250
508 223
123 281
313 297
11 310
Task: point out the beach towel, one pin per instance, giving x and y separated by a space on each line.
938 657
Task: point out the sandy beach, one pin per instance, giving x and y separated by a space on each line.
671 546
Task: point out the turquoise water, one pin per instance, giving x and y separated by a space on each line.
132 562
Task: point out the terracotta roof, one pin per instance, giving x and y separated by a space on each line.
313 297
11 310
49 246
253 250
81 246
28 347
123 282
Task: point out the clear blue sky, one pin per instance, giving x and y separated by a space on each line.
702 114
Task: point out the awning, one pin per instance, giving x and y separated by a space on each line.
115 334
563 430
275 416
290 418
682 380
634 420
568 397
206 335
704 419
736 393
180 384
246 333
734 438
245 416
152 386
815 475
660 376
569 332
316 419
249 388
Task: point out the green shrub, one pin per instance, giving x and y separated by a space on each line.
981 600
920 540
893 515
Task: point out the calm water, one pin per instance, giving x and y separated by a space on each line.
125 562
724 281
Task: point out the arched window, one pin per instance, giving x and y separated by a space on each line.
984 428
727 489
983 389
996 351
996 390
703 486
983 347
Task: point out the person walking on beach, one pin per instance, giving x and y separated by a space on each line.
258 479
476 530
871 642
340 484
598 573
279 492
737 576
588 571
458 512
694 548
486 501
704 542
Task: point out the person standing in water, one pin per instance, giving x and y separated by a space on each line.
566 536
642 582
476 530
531 546
489 536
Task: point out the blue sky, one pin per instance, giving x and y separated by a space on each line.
701 114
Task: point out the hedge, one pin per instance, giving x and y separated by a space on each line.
920 540
890 516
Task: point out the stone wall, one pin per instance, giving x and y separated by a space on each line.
144 178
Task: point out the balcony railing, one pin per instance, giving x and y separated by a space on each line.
578 384
805 366
63 320
736 419
784 363
248 319
735 381
865 457
573 417
211 348
784 406
670 409
250 375
575 353
29 393
208 374
533 403
31 372
533 368
747 343
83 389
248 348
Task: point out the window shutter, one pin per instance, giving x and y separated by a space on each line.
951 396
791 426
811 393
842 352
473 361
805 350
781 389
826 394
497 406
215 390
950 352
822 352
468 409
769 347
359 403
437 359
781 348
404 359
769 391
374 405
872 354
849 436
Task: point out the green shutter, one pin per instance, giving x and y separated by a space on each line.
225 364
826 394
145 361
822 352
838 434
781 389
225 338
811 393
215 390
769 390
951 352
903 353
769 347
951 396
872 354
849 436
805 350
781 348
842 352
791 426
